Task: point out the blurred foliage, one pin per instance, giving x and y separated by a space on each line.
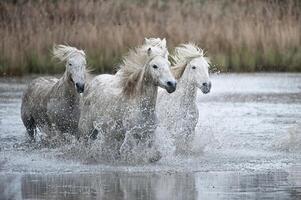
238 35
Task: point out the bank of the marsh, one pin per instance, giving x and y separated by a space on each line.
238 35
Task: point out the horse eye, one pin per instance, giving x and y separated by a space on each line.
193 67
70 64
155 66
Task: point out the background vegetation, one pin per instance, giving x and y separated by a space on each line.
238 35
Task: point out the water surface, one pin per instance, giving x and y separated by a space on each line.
248 133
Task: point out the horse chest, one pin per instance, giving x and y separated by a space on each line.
63 113
182 117
142 117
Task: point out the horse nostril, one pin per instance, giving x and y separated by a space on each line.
169 83
171 86
205 84
80 87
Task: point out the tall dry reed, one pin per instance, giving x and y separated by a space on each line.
238 35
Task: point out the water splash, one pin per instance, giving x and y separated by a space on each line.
290 142
237 130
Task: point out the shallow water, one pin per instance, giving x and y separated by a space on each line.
249 133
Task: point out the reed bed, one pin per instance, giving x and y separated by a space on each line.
238 35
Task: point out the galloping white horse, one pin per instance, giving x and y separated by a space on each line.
49 102
120 108
178 112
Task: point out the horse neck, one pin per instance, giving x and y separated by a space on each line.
148 94
67 88
187 92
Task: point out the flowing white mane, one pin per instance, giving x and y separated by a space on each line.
63 52
133 64
184 54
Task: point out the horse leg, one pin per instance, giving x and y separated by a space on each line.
97 128
115 126
30 126
184 141
138 146
93 135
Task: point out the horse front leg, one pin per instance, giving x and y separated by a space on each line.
138 146
183 142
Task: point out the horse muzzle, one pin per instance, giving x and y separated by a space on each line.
206 87
80 87
171 86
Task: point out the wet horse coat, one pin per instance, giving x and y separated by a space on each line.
53 104
178 112
121 107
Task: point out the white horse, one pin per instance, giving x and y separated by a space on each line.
120 108
53 104
178 112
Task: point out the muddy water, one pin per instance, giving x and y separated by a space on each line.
249 140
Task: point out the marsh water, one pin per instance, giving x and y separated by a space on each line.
248 141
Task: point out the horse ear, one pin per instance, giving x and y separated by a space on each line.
146 41
166 54
149 51
164 43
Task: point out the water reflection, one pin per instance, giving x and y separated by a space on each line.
120 185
